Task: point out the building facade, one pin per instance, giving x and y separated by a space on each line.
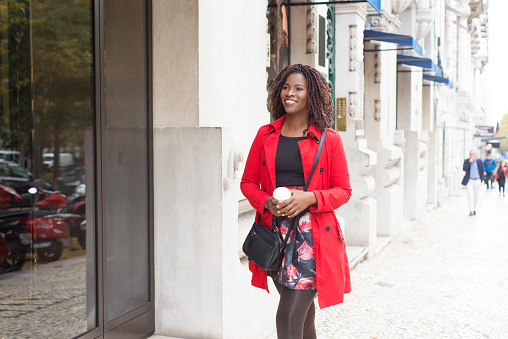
158 103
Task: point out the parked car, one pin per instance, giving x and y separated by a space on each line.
66 159
15 176
71 177
9 155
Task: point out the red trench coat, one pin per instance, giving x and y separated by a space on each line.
330 184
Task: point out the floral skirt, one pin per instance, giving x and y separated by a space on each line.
298 269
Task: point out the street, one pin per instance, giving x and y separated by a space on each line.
446 277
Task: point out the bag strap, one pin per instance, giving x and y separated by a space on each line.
297 218
321 142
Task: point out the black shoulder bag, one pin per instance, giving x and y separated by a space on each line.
262 245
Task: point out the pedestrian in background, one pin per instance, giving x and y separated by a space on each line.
473 180
282 155
501 174
490 166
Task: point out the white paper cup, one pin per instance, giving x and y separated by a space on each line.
281 193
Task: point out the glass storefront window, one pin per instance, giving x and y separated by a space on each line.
48 265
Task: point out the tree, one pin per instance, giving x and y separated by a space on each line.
62 62
54 39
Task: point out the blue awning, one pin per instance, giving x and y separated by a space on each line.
376 4
404 40
438 79
419 62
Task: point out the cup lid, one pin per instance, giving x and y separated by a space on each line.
282 193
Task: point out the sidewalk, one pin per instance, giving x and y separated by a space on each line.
446 277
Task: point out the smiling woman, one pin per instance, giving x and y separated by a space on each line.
281 155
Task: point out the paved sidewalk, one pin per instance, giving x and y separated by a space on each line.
446 277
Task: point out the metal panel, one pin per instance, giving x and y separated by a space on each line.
341 107
137 328
125 162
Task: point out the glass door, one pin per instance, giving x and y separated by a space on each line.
76 249
48 252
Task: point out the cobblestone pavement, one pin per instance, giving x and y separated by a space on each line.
446 277
50 303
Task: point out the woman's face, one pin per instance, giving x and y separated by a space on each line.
294 94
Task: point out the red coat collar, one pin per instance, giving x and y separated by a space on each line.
276 126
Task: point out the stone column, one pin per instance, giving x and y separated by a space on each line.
428 125
409 120
464 49
361 211
380 123
202 122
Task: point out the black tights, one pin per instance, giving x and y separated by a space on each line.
501 184
296 313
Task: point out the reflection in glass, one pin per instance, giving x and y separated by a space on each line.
47 260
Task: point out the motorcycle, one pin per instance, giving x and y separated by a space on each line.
50 233
71 209
45 230
17 239
4 251
76 214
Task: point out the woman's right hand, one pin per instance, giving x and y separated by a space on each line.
271 205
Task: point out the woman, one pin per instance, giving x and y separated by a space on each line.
501 174
282 154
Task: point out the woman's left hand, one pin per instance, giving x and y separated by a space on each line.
298 202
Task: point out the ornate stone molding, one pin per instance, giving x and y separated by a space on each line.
463 12
377 110
385 21
399 6
377 67
330 50
353 105
353 48
424 19
311 30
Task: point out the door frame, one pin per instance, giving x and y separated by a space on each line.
140 322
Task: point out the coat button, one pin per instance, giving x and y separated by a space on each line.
328 228
263 162
321 170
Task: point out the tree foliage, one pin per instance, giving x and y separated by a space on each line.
55 38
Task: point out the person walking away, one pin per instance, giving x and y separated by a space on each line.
490 166
473 180
282 155
501 174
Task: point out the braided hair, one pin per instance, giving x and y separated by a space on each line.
319 100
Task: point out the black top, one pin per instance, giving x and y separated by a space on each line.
288 162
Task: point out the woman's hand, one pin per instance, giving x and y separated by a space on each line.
271 205
298 202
